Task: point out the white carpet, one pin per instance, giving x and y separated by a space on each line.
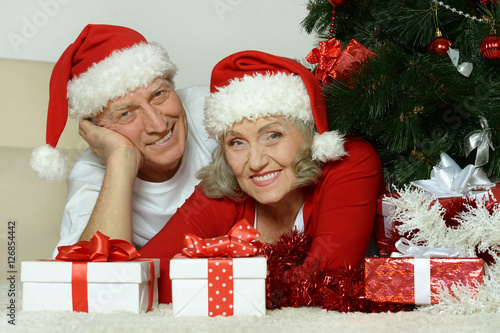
284 320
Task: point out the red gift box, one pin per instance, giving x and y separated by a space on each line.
384 224
415 280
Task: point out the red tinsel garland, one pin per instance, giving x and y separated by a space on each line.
290 283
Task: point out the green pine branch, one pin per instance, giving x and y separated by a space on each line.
411 104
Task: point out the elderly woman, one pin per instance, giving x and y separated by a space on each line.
277 166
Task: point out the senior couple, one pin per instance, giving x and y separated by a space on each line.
165 162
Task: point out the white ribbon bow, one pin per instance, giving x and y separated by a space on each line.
449 180
480 139
409 250
464 68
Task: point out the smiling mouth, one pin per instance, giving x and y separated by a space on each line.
165 138
266 177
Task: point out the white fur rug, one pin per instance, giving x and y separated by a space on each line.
284 320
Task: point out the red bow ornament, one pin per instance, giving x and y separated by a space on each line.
337 64
239 242
100 248
326 56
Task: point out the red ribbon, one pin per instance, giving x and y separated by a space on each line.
79 286
239 242
335 63
151 282
220 287
99 249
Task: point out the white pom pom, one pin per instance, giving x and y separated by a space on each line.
49 163
328 146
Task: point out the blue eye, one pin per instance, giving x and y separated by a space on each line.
275 135
124 114
235 143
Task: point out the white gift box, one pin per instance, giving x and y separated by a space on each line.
111 286
190 286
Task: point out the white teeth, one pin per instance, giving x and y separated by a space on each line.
165 138
266 177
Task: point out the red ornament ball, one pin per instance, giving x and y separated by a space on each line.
338 2
489 3
490 47
439 46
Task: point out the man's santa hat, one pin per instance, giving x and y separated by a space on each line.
104 63
253 84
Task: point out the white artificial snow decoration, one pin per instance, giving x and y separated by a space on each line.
420 211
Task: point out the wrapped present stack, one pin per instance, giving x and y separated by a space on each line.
220 276
100 275
440 243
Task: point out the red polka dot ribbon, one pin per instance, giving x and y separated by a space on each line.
239 242
220 287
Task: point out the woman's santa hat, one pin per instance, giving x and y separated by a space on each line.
253 84
104 63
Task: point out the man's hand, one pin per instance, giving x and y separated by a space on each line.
105 143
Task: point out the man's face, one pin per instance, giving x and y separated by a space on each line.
154 120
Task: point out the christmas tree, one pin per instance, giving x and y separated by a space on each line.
415 78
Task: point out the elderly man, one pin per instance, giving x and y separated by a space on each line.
146 139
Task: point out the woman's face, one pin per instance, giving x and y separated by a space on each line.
261 154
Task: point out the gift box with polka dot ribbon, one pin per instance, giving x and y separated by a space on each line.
218 286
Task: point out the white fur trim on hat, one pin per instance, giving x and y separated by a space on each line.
252 97
49 163
120 73
328 146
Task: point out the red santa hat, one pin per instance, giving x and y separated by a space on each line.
253 84
105 62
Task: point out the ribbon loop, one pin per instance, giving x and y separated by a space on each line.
239 242
464 68
480 139
409 250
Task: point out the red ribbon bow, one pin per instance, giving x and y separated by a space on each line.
335 63
326 56
239 242
100 248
